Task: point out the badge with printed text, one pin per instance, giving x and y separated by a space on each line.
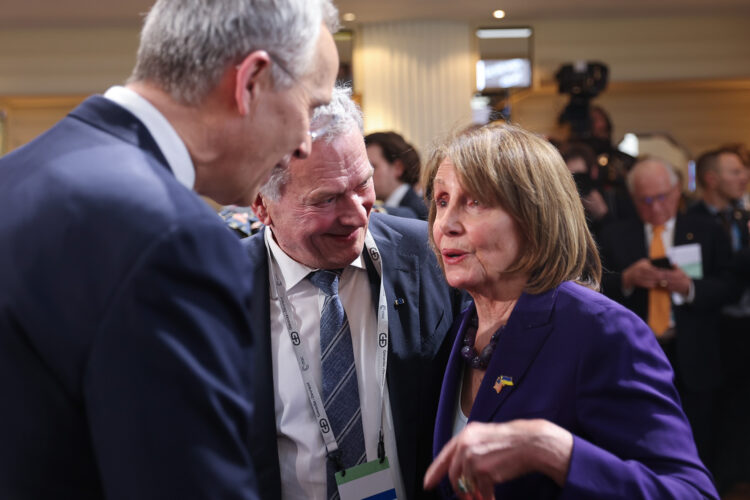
369 481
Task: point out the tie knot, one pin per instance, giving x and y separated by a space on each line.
327 281
658 230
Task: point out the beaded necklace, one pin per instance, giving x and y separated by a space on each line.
482 360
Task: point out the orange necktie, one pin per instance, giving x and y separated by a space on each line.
659 301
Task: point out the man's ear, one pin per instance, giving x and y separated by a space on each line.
710 179
398 168
261 211
253 70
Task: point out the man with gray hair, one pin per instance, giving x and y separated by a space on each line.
358 314
668 268
125 340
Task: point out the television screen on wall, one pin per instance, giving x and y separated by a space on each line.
498 74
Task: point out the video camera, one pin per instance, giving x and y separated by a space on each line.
582 81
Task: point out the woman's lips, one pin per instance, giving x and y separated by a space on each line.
453 256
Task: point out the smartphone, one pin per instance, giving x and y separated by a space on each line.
662 263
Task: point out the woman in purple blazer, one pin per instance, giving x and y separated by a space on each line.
552 390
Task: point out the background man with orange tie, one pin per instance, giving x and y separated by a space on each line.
680 309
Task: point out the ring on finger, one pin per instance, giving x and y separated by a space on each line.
465 485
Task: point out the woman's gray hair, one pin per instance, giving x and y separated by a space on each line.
337 118
186 45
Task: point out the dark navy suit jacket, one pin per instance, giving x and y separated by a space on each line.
415 202
125 345
591 366
417 354
696 324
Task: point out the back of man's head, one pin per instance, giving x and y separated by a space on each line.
186 45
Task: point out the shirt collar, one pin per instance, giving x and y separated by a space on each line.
161 130
396 196
668 227
292 271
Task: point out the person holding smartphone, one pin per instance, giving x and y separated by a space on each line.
679 302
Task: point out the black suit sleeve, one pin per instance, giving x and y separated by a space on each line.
717 287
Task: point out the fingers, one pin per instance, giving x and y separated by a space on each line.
478 486
439 466
457 468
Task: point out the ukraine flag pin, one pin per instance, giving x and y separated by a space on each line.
501 382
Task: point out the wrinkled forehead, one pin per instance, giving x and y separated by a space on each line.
343 160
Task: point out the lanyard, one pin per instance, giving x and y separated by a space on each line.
311 387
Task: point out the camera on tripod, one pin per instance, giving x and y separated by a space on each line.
582 81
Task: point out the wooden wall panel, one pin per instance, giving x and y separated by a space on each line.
699 115
27 117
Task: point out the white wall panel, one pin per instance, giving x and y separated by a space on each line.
415 78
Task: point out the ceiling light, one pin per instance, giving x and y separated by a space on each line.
349 17
504 33
498 14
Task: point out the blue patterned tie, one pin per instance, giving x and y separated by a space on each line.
340 391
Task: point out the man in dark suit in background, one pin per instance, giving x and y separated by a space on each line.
638 258
318 222
397 166
125 341
723 179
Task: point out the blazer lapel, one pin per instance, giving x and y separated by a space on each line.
527 329
401 284
682 234
449 389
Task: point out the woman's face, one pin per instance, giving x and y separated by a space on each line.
477 243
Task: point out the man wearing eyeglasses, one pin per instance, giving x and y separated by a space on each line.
125 339
668 268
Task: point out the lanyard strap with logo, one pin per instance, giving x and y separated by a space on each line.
311 387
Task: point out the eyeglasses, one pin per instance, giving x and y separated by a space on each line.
661 198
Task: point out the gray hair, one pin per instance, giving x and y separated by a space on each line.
639 165
186 45
337 118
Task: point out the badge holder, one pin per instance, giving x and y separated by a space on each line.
369 481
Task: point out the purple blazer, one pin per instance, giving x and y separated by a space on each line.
586 363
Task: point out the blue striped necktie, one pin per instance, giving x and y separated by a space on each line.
340 391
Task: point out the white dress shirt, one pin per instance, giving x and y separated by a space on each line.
396 196
161 130
302 452
667 237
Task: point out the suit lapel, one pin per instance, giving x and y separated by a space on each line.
265 450
636 243
449 389
524 335
401 283
682 234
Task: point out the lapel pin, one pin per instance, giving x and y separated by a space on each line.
501 382
399 302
